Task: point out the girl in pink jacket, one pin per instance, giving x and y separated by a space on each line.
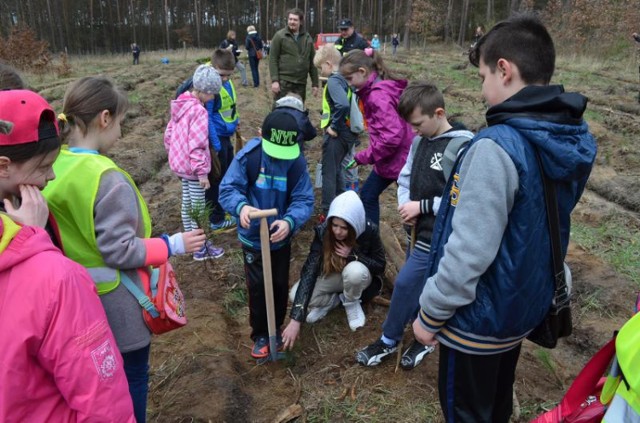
58 358
104 221
390 136
186 140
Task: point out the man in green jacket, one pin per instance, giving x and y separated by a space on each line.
291 59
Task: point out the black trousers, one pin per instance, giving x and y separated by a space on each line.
255 286
476 388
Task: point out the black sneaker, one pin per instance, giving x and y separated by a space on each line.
374 353
414 354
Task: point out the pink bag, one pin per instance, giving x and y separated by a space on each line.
165 295
162 302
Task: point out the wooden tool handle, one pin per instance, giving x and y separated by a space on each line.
263 213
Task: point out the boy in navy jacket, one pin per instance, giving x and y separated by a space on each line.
269 172
490 278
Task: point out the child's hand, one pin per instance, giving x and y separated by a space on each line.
32 211
193 240
342 250
245 222
332 132
282 231
290 334
409 211
351 164
204 182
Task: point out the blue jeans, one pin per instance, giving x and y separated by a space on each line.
136 367
254 63
405 300
370 195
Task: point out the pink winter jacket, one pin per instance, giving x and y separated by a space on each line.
58 359
390 136
187 138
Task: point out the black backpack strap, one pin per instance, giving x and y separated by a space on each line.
185 86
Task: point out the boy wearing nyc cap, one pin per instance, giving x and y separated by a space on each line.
269 172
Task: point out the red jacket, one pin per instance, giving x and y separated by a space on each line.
58 358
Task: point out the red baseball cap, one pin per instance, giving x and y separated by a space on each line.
24 109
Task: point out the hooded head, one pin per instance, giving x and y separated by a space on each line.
290 101
348 207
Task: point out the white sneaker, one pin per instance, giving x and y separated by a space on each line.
355 314
317 313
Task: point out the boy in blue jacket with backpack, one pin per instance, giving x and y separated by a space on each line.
269 172
490 277
223 122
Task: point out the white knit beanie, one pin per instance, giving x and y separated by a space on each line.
207 80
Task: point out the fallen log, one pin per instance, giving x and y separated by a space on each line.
395 253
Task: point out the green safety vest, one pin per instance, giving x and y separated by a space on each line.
71 198
624 390
326 110
228 111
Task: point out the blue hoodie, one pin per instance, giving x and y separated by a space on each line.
271 189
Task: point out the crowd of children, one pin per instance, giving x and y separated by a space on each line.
475 286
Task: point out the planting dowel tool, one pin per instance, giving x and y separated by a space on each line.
265 246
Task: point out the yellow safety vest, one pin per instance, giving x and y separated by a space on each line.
228 111
624 390
326 110
71 198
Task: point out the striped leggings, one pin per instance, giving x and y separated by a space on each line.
192 201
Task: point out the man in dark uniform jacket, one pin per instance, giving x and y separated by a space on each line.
349 38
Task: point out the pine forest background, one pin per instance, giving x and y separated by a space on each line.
599 27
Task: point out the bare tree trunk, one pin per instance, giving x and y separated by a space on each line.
91 37
226 3
105 32
407 29
379 31
150 23
490 9
132 22
395 16
463 21
119 25
196 18
266 21
321 16
51 21
448 31
166 22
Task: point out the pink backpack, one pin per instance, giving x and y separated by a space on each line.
163 305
